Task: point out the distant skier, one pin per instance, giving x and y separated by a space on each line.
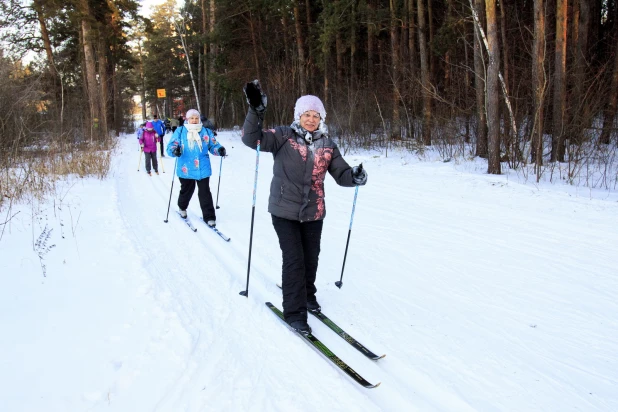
159 127
303 152
191 143
148 143
140 131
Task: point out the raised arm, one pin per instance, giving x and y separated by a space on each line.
252 131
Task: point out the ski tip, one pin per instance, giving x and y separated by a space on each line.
374 386
379 357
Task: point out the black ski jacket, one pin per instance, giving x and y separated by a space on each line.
297 188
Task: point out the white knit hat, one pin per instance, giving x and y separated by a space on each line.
306 103
192 112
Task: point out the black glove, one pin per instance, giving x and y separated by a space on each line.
255 96
359 176
177 151
222 151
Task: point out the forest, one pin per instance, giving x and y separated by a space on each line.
529 85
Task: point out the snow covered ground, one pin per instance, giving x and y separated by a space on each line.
486 294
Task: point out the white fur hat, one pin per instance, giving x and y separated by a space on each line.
306 103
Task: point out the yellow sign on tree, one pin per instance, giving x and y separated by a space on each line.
161 93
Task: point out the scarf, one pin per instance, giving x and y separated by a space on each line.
193 135
308 136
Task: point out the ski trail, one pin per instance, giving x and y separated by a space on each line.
199 276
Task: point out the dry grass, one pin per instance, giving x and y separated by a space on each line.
37 173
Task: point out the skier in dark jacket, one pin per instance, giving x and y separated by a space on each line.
303 153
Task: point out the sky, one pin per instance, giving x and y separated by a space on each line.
485 293
147 5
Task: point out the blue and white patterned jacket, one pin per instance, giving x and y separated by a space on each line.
193 163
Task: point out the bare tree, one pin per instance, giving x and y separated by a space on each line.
425 83
493 89
394 40
538 85
479 82
87 36
212 56
180 26
609 114
581 26
559 102
300 46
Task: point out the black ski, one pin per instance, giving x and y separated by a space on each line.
187 221
356 344
320 347
217 231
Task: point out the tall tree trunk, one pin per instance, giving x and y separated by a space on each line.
430 55
339 50
117 99
38 8
505 44
559 104
142 79
286 45
326 54
301 50
468 83
212 56
103 86
411 40
609 114
353 20
425 83
493 89
581 28
255 47
447 55
308 45
396 121
479 84
90 72
205 66
370 42
538 85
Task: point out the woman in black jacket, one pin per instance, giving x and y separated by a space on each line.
303 153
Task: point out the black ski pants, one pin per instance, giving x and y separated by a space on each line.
300 249
187 187
151 157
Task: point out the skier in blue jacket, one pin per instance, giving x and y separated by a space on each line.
159 127
192 143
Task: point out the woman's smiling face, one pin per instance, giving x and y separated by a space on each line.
310 120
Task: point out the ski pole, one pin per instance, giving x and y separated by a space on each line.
339 283
140 158
219 184
257 163
170 201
